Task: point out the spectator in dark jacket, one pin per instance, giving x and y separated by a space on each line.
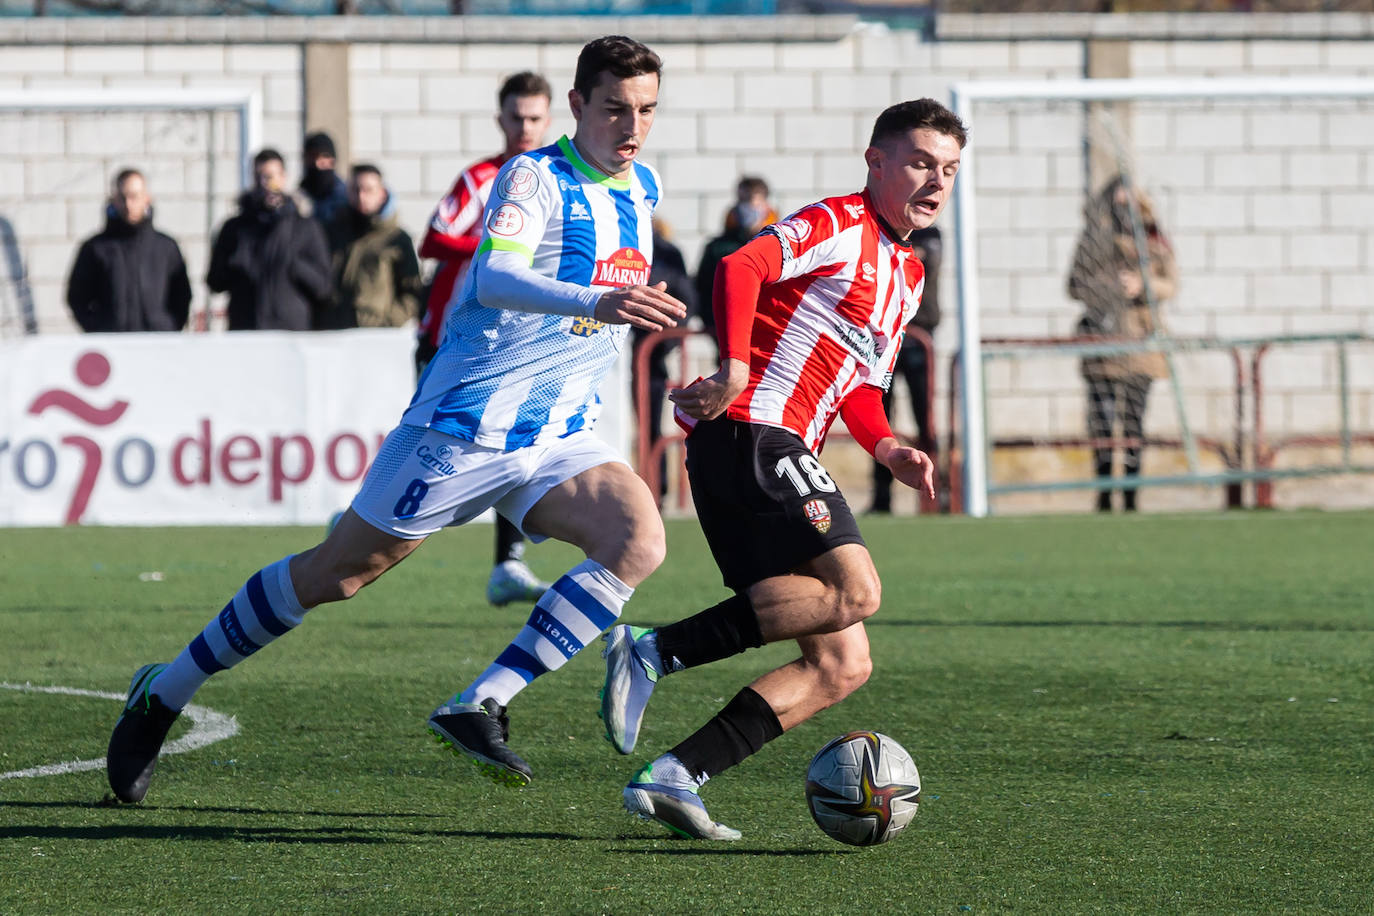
272 261
321 183
751 212
376 274
130 277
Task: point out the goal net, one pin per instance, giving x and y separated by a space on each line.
59 151
1166 292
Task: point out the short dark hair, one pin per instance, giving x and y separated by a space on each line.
522 84
615 54
753 184
267 155
124 175
365 168
917 114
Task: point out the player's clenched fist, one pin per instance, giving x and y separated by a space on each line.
707 398
647 307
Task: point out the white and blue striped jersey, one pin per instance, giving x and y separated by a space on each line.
527 371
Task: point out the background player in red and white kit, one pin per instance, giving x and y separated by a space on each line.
810 316
455 230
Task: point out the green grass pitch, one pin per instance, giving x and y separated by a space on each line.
1155 714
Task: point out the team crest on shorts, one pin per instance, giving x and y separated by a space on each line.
818 514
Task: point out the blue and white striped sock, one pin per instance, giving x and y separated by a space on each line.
572 613
265 608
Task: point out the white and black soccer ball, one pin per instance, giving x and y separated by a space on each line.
862 788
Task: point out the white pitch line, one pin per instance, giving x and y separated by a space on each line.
207 727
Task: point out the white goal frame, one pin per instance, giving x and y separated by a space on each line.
247 104
964 96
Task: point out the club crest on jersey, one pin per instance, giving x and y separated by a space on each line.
794 229
519 183
584 327
506 220
818 514
624 267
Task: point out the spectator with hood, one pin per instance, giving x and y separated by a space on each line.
376 274
321 184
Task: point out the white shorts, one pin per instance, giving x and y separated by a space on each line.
423 480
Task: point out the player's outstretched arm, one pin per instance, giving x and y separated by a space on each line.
911 466
862 412
707 398
647 307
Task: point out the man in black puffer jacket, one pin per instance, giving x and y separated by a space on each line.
272 261
130 277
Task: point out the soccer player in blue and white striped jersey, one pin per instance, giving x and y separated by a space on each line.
501 419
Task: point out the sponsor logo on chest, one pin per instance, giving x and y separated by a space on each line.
857 340
624 267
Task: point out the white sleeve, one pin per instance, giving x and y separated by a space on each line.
505 281
524 200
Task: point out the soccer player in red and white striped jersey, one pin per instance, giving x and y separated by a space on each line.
455 230
810 316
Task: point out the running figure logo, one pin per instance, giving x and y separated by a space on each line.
92 370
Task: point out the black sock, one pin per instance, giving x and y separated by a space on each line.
717 632
510 543
746 724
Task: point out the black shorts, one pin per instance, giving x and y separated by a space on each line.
764 502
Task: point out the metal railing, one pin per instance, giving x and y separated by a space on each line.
1233 453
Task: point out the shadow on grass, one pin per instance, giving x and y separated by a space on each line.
274 834
724 850
340 834
1296 626
109 802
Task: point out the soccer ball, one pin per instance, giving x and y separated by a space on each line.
862 788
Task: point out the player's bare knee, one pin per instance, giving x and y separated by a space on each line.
640 553
841 675
856 601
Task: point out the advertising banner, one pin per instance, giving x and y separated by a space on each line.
262 428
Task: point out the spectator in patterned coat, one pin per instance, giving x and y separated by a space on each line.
1121 286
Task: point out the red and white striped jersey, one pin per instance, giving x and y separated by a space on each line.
454 232
833 321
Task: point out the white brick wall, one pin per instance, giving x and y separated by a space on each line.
100 61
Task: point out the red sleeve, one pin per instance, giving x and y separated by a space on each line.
863 414
447 247
735 296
